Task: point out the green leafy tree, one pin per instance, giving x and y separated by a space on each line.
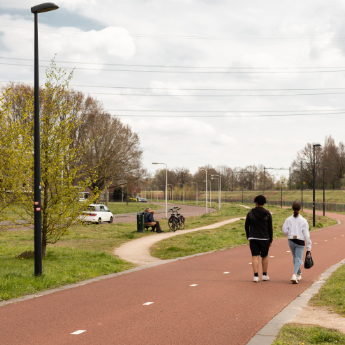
61 178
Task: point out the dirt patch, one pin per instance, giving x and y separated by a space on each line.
321 316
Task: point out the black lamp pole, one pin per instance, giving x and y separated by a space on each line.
316 145
323 177
46 7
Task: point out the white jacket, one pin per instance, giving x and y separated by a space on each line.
297 228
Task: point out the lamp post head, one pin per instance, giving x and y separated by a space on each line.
325 168
46 7
316 145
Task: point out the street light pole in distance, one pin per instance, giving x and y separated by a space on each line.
323 178
315 145
46 7
206 186
166 188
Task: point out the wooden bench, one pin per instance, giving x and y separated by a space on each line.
148 226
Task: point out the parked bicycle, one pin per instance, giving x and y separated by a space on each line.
176 220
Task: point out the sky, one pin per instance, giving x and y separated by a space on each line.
202 82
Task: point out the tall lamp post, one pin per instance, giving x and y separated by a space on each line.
46 7
196 192
206 186
315 145
166 188
172 192
220 188
323 178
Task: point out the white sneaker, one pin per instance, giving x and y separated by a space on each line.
294 279
299 277
265 278
256 279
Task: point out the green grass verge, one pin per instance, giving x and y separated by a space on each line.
62 266
122 207
85 252
332 293
227 236
295 334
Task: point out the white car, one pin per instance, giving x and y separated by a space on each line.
97 213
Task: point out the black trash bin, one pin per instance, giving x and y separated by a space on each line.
140 222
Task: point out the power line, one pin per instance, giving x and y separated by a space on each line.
219 38
165 66
224 116
180 72
187 89
230 111
228 95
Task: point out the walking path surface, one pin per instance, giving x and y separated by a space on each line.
206 299
187 210
138 251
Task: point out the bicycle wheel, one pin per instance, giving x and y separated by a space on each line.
174 225
170 221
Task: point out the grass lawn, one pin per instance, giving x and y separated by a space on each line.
295 334
122 207
85 252
227 236
332 293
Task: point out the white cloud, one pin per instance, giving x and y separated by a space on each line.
196 141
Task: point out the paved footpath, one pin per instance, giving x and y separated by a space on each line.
195 300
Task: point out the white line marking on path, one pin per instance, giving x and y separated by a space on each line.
288 251
250 263
226 272
79 332
335 238
271 256
148 303
315 243
325 240
194 285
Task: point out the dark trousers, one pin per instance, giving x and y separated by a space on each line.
157 227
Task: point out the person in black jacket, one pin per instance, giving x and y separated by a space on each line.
259 231
149 220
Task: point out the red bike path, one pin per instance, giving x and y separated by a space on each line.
223 308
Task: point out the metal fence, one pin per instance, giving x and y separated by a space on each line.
309 205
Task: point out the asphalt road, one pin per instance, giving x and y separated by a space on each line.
195 300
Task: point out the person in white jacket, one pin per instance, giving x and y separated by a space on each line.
296 228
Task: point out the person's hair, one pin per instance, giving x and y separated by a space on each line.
296 206
260 199
153 212
147 208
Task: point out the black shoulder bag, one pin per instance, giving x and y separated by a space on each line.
308 262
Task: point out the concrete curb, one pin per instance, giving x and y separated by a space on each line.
268 333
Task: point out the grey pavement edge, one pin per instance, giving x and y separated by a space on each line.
269 332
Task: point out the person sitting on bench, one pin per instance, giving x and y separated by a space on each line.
149 220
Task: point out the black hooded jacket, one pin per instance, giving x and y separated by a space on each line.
259 224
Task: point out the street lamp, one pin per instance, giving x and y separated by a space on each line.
281 194
196 197
206 186
166 188
172 192
217 178
220 188
315 145
182 190
46 7
323 177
